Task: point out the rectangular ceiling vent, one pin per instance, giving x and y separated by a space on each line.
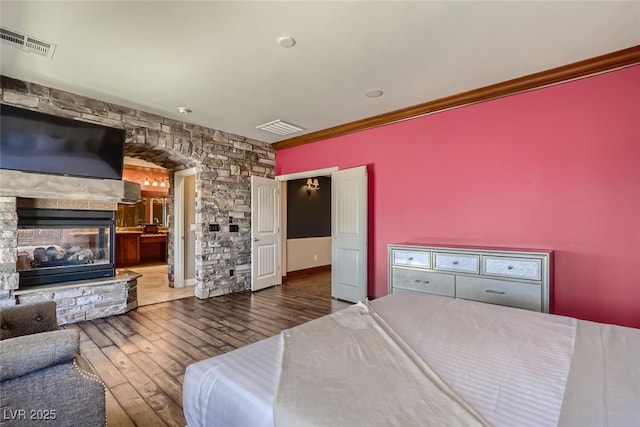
27 43
280 128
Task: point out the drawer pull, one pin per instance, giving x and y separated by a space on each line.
410 258
455 263
491 291
426 282
510 267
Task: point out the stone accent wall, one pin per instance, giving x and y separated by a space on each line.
8 250
224 164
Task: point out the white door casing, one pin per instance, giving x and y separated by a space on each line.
349 215
265 233
179 226
189 210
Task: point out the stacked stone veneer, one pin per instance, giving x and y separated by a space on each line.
8 250
93 300
224 164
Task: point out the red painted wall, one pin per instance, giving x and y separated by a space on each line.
556 168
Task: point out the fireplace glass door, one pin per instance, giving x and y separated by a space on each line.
55 249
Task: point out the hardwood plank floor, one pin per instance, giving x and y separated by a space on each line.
141 356
317 280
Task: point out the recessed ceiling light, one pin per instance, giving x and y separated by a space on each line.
374 93
287 41
183 110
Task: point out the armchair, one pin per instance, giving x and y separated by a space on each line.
43 378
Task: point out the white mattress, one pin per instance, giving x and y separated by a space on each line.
602 383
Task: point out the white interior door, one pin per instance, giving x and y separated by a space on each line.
349 234
265 233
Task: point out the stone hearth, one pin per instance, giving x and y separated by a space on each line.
87 299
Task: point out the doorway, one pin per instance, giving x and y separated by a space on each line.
349 218
306 233
142 232
185 228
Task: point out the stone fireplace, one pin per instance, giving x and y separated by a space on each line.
224 163
58 236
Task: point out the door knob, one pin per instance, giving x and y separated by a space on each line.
255 239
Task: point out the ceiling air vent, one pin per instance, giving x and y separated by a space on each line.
280 128
27 43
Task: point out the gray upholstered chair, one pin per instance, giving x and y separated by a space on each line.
43 378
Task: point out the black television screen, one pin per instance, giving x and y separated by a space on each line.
36 142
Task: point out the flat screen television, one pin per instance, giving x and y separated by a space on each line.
36 142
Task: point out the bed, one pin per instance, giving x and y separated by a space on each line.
420 359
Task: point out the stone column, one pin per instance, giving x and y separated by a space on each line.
8 250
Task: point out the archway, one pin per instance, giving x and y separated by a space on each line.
157 208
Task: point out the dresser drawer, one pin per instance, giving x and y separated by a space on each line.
411 258
513 294
423 281
523 268
457 262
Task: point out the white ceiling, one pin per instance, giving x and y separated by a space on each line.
222 59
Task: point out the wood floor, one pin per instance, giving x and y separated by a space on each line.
141 356
317 280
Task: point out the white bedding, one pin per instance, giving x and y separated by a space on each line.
511 365
351 369
602 389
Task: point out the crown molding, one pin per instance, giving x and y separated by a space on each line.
577 70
